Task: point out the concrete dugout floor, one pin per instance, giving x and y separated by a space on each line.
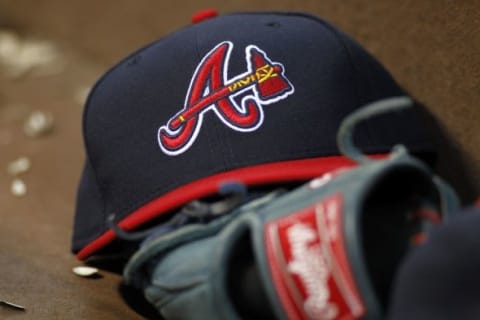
431 47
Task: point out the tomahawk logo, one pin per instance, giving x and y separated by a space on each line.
211 90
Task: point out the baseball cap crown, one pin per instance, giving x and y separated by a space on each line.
255 97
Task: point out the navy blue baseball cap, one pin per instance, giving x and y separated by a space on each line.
249 97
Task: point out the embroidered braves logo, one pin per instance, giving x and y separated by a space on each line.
210 90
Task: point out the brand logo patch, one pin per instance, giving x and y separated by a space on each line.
309 265
210 89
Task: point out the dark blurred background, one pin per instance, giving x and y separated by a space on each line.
52 51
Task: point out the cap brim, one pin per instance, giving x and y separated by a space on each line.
264 174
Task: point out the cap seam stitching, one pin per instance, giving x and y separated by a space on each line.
87 152
84 127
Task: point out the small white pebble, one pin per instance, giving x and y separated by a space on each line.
84 271
18 188
38 123
19 166
9 44
20 56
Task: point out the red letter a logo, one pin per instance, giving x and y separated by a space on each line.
211 90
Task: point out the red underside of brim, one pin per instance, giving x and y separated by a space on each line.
270 173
